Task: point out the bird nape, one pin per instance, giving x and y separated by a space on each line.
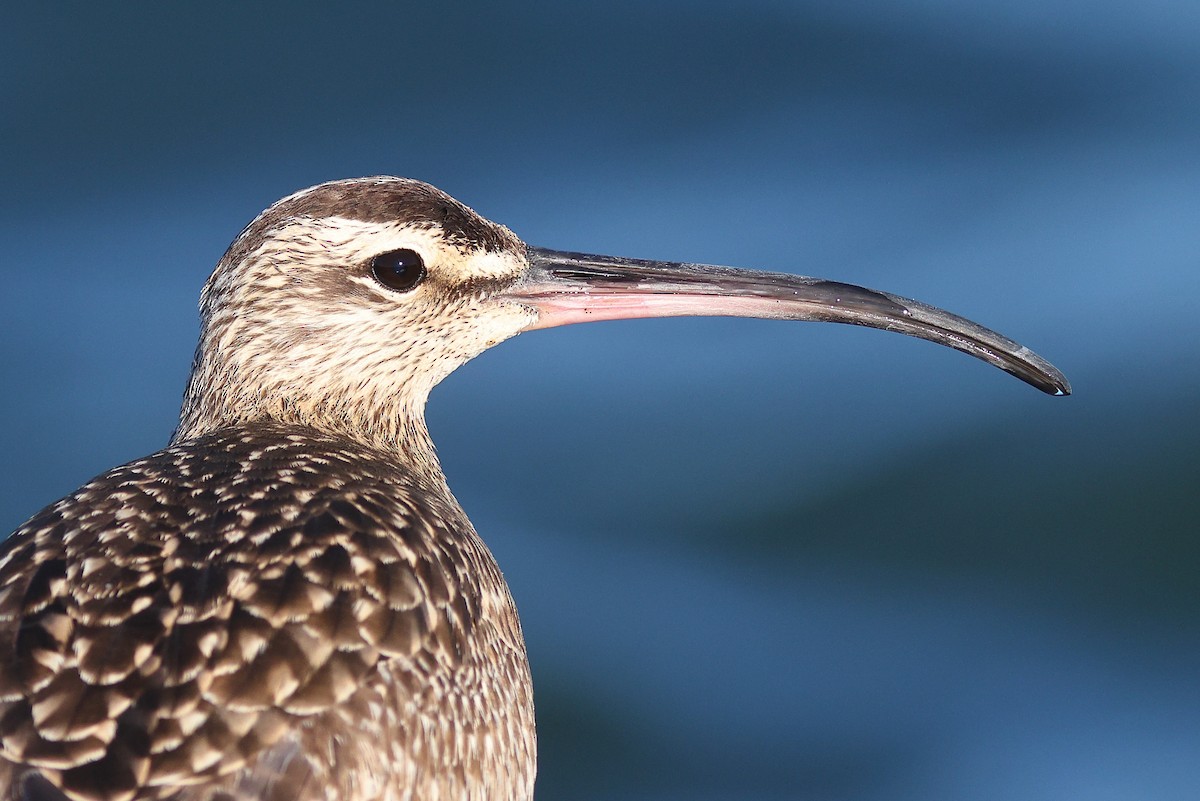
287 603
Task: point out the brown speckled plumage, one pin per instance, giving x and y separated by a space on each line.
256 596
286 604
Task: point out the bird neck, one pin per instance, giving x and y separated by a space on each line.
393 425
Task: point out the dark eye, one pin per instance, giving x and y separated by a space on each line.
400 270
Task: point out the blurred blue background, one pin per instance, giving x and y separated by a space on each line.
755 560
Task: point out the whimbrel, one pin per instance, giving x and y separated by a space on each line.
287 603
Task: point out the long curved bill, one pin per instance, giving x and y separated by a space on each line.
568 288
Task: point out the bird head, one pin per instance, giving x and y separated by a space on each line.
341 306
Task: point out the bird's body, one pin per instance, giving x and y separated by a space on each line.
285 593
287 604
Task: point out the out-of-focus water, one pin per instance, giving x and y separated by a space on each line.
754 560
